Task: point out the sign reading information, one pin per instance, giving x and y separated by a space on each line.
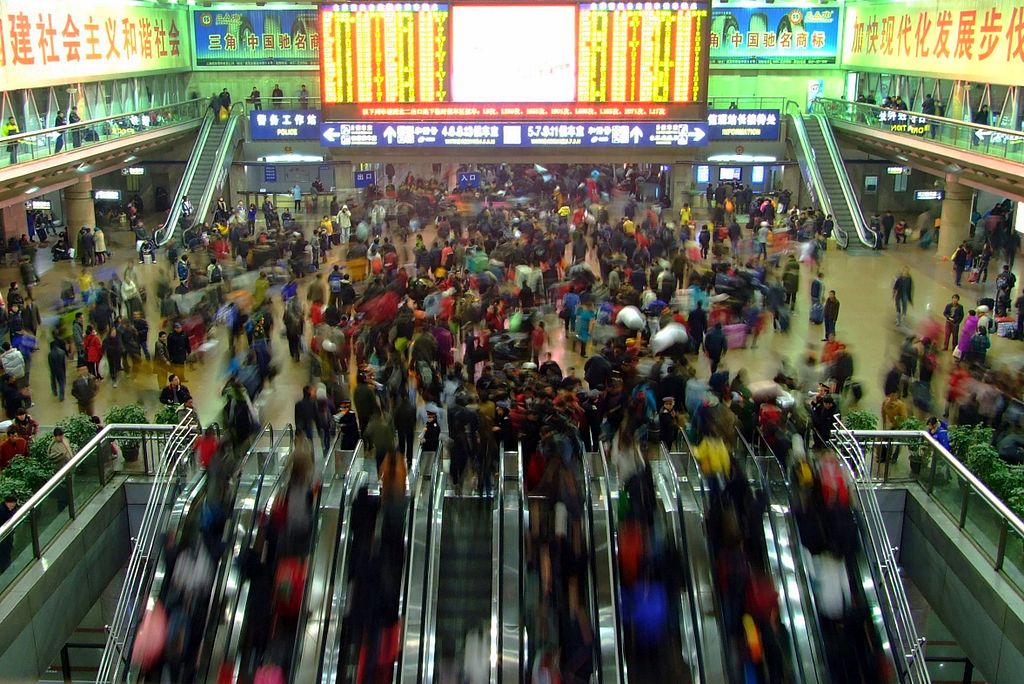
245 38
775 35
743 124
973 40
53 43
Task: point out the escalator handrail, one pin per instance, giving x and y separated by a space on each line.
681 546
236 610
414 636
498 579
810 166
605 475
355 478
757 475
233 131
316 530
884 566
167 482
591 551
166 232
430 595
860 225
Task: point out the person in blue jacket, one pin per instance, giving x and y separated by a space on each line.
939 429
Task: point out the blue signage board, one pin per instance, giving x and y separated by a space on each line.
775 35
560 134
269 174
295 124
365 179
469 179
743 124
254 38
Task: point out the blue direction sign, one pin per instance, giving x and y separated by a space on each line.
365 179
561 134
469 179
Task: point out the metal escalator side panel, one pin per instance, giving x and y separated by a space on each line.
604 574
428 642
595 594
222 155
848 196
610 624
170 226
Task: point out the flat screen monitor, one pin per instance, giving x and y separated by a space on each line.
730 173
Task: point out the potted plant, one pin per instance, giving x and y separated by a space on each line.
167 415
917 449
860 420
131 414
78 430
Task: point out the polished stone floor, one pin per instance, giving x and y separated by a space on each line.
866 323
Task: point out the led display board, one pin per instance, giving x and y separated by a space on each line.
467 61
107 195
775 35
929 195
901 121
285 124
972 40
38 205
245 38
509 134
743 124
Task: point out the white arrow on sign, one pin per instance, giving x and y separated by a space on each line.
636 134
685 135
331 134
390 133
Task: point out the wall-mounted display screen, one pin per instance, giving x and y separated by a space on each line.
730 173
468 60
776 35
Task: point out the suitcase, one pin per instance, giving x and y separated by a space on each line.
735 335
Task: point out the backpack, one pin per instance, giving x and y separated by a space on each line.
334 283
217 274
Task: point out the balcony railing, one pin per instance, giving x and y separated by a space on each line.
1003 143
35 145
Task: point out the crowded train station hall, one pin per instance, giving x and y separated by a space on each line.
511 342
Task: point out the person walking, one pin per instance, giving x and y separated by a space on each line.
256 99
715 345
57 360
76 134
903 294
297 197
10 129
953 313
791 281
84 390
93 351
59 122
114 351
831 314
303 98
960 259
276 95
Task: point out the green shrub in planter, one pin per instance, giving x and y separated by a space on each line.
12 485
39 447
78 430
963 437
33 472
130 414
860 420
167 415
918 449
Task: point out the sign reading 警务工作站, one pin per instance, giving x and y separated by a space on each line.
55 42
972 40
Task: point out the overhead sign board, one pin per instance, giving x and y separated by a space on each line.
269 174
929 195
901 121
437 60
245 38
560 134
364 179
107 195
469 179
56 43
743 124
38 205
775 35
972 40
295 124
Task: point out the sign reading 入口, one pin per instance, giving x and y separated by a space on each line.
294 124
52 43
973 40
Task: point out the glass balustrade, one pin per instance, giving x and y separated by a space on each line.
988 140
34 145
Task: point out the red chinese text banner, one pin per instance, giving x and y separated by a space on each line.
53 43
976 41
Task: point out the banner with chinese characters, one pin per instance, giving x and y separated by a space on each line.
248 38
900 121
775 35
973 40
285 124
52 43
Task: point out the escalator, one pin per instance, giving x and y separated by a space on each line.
205 171
665 616
828 181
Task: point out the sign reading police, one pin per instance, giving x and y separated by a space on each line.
561 134
743 124
295 124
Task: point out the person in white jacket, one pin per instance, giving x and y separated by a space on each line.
101 244
344 222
